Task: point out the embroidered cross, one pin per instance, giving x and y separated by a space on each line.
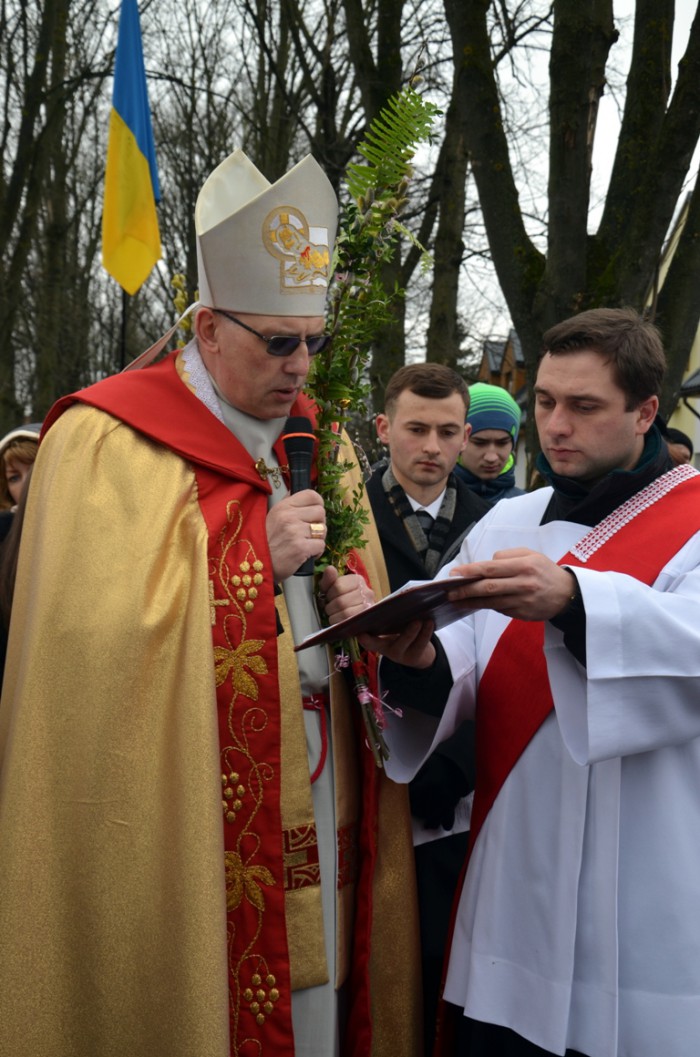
214 602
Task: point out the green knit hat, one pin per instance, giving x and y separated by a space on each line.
491 407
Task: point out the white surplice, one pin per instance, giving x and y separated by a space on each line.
579 922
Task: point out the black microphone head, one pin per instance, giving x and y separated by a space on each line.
298 435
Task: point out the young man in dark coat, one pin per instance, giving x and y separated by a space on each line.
424 427
422 512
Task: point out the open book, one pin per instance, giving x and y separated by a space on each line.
416 600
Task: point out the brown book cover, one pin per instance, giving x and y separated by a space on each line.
426 600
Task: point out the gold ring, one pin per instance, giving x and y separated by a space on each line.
317 530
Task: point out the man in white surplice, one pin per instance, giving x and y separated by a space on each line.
578 924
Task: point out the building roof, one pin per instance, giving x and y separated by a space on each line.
494 352
518 353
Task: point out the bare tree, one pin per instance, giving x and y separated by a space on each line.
31 69
281 78
64 280
616 264
194 79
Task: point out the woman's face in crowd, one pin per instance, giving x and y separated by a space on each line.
16 472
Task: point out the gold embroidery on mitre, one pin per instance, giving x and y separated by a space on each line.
304 261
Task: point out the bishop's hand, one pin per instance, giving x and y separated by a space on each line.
296 530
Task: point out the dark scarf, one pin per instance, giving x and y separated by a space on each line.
430 547
491 489
573 501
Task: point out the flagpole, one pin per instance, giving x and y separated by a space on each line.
122 335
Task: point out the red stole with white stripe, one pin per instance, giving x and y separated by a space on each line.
514 697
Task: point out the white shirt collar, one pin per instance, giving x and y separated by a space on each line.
433 509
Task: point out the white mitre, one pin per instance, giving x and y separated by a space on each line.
262 248
265 248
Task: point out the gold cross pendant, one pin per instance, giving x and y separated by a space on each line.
273 472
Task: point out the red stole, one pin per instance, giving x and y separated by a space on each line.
158 403
514 696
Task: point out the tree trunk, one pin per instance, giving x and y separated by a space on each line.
657 141
444 334
678 305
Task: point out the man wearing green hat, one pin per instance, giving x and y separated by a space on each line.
487 464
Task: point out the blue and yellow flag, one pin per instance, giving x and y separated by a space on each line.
130 236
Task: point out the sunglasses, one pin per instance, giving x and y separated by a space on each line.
284 344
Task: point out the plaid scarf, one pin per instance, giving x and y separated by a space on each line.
431 547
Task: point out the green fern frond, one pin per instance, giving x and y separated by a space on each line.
359 304
391 141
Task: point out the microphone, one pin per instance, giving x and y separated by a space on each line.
298 439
